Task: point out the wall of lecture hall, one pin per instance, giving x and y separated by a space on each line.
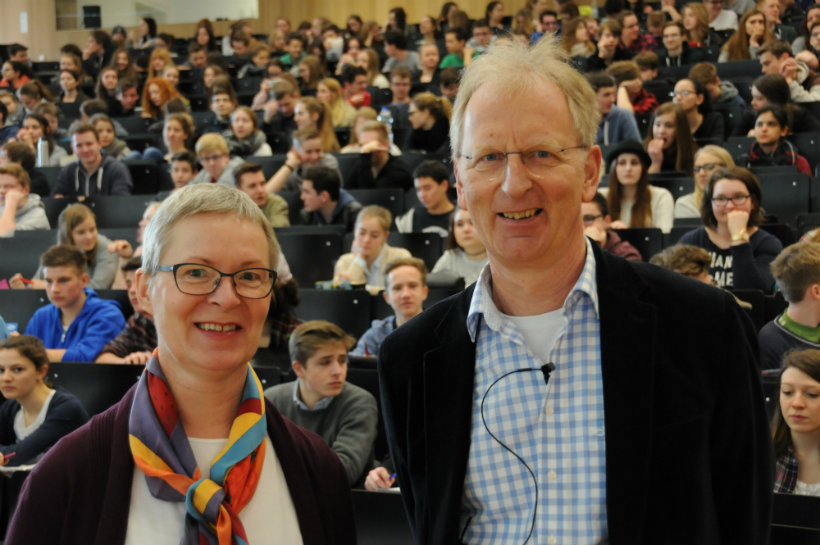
43 39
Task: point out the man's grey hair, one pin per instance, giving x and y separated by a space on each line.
200 199
512 67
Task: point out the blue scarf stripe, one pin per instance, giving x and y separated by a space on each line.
239 450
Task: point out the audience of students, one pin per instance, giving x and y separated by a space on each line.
739 251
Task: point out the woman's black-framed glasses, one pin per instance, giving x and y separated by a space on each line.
199 279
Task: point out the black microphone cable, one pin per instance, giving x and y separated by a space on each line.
546 369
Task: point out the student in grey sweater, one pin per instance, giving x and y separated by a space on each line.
344 415
19 209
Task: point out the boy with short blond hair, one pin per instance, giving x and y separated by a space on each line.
405 290
797 271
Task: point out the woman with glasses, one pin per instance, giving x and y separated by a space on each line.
707 160
731 213
695 102
631 200
193 453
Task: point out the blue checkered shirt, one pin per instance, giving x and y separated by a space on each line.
556 431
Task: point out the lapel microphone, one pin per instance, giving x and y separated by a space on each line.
547 369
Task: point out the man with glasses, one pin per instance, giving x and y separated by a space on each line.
217 164
632 39
676 50
560 399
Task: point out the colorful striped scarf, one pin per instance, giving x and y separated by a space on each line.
161 450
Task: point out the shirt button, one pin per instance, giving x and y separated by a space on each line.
552 540
551 476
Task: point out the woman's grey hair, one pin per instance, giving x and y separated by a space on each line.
512 68
200 199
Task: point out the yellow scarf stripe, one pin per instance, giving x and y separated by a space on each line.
203 494
139 450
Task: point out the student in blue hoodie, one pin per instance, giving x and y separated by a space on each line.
77 324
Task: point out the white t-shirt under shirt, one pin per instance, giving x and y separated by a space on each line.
540 331
269 518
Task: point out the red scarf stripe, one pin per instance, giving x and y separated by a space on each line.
164 404
251 405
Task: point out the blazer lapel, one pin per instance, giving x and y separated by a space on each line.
448 391
628 337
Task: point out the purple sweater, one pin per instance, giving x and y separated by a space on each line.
80 491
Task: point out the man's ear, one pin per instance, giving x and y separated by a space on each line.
462 203
592 169
143 293
298 369
85 279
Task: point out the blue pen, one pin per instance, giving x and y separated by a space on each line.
393 476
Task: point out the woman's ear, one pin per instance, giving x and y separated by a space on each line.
143 293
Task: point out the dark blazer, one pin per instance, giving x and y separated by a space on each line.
688 453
